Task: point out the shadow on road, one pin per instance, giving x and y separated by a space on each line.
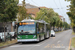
32 42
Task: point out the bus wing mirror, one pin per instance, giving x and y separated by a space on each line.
17 24
37 25
15 27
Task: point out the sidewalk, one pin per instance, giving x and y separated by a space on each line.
8 43
72 41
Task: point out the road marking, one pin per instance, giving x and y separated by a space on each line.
47 46
44 42
58 41
54 37
23 45
69 44
56 46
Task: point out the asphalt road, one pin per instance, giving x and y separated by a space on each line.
59 42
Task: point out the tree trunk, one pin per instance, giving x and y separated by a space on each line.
74 29
53 27
4 33
58 28
50 26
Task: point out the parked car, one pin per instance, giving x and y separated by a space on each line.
52 33
2 35
0 40
8 36
56 30
13 34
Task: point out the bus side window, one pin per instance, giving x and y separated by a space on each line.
38 31
48 27
37 26
40 28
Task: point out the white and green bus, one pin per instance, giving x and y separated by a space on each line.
31 30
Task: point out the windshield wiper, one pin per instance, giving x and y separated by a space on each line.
26 32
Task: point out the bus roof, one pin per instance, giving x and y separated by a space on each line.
31 20
27 20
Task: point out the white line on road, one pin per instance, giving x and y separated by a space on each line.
24 45
58 41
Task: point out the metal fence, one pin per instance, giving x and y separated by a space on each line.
8 36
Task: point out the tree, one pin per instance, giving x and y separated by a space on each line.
71 14
9 11
17 1
1 6
53 18
45 14
30 17
22 12
41 14
49 16
65 25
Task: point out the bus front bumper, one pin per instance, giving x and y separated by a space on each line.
26 40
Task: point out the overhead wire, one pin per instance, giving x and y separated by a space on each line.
28 1
38 5
63 10
57 6
53 8
32 1
61 7
35 3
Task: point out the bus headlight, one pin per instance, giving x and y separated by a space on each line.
34 36
18 37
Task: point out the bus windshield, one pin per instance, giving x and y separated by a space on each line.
26 29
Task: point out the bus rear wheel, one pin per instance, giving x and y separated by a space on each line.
39 38
23 42
44 37
49 36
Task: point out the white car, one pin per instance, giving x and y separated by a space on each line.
52 33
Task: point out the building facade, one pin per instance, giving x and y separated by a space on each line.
31 9
62 18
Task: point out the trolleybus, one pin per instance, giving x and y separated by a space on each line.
32 30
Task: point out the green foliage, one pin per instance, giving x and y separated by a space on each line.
8 10
30 17
22 12
71 14
1 6
66 25
49 16
17 1
45 14
41 14
67 0
55 20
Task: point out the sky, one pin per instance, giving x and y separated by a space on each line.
59 6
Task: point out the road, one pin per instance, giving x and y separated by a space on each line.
59 42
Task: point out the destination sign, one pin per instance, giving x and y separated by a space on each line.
24 23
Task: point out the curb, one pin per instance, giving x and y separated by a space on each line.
8 45
69 44
72 48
